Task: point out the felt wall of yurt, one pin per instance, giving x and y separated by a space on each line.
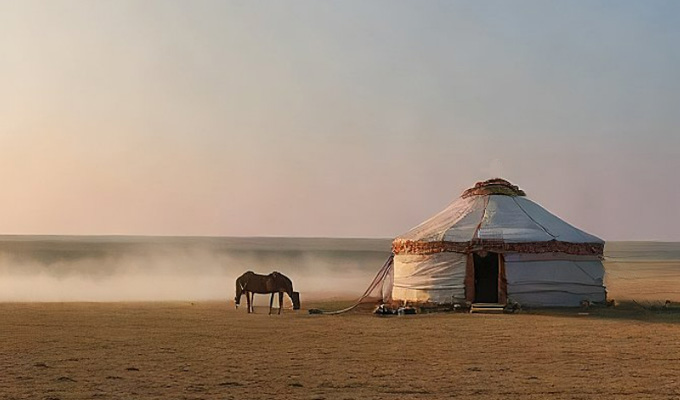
438 278
554 279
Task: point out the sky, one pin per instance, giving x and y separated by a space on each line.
334 118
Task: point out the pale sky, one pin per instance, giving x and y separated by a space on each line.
334 118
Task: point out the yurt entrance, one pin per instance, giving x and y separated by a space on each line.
487 266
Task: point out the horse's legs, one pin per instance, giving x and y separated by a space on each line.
271 303
248 300
252 302
280 301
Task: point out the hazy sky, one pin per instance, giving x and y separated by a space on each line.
334 118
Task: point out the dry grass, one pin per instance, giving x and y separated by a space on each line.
643 281
209 351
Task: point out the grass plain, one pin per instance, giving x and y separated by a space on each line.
209 350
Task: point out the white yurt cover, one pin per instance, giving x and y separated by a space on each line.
545 260
510 219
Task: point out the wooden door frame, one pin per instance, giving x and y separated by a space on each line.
470 279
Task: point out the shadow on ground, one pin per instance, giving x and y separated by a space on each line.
655 312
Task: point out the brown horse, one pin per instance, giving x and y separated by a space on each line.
251 283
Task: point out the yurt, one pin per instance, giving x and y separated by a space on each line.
494 245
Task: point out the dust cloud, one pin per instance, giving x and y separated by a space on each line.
54 269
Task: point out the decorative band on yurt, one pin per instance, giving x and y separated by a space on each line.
553 246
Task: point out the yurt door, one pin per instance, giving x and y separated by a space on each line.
486 277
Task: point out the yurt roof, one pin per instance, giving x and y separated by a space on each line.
497 215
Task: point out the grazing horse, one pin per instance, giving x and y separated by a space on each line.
251 283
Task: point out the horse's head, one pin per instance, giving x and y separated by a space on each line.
239 292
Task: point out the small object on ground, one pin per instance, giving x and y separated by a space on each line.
296 300
512 308
408 310
384 309
231 383
457 307
667 304
315 311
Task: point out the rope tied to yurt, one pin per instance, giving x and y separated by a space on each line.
378 280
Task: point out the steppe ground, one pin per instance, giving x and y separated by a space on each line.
211 351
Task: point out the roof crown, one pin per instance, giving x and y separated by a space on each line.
494 186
